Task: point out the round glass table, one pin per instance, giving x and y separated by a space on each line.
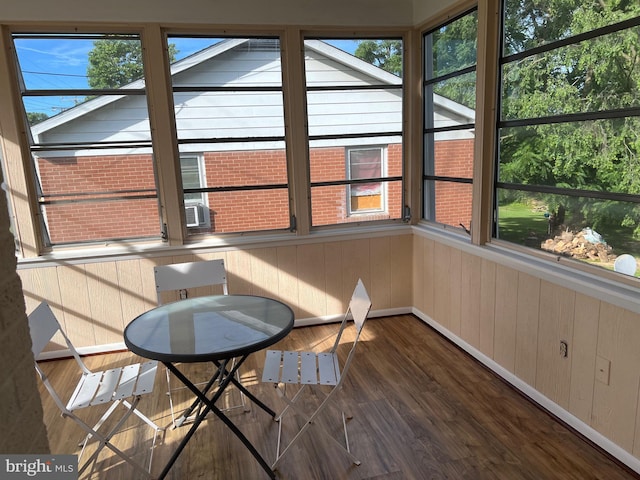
210 329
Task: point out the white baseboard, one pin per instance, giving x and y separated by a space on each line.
93 350
308 322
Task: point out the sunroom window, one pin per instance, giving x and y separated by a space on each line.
568 147
85 105
228 108
355 105
449 120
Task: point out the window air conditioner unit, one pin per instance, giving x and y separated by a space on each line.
195 215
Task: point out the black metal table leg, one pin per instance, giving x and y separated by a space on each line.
227 378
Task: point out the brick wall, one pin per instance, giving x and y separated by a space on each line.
23 430
249 210
100 216
454 158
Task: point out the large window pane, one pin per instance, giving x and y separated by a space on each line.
229 113
235 187
85 102
600 155
451 203
449 121
85 198
568 135
460 90
332 204
249 210
583 228
354 108
534 23
596 74
352 111
454 45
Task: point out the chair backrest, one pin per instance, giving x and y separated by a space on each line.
43 326
359 308
360 305
181 276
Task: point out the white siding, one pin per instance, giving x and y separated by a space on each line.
237 114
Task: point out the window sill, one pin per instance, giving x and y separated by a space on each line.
88 254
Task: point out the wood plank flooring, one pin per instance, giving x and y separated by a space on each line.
422 409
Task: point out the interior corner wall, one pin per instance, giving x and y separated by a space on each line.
21 411
514 321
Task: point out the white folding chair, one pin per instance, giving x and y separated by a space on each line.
309 369
179 278
112 386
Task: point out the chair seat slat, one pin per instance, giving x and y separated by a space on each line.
107 387
308 368
271 370
86 390
290 367
128 381
327 368
146 377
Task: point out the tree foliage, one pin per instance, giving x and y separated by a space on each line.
385 54
36 117
117 62
454 48
594 75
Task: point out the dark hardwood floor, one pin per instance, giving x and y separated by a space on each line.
422 409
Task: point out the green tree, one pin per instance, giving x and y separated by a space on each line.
36 117
600 74
385 54
116 62
454 49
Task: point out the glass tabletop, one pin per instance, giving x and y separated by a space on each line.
209 328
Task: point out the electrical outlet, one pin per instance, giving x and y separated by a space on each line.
183 294
564 349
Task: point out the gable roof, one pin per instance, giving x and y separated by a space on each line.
377 75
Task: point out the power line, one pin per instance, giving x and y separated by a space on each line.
55 74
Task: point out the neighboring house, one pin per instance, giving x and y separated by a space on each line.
231 138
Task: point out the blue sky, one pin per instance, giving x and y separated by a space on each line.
56 63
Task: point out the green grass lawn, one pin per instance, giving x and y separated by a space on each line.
519 222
